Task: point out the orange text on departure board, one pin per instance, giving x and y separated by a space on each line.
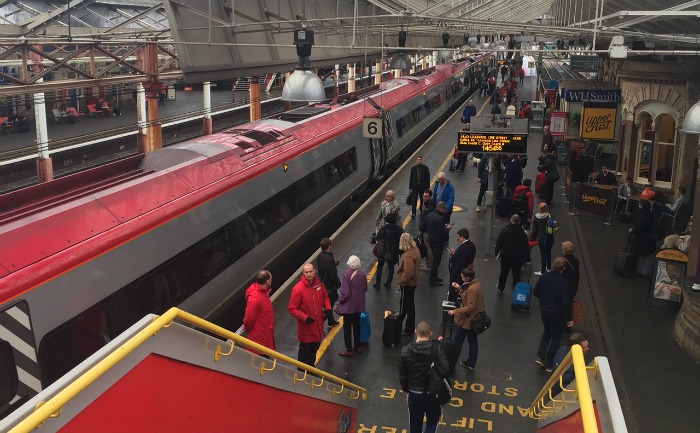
489 142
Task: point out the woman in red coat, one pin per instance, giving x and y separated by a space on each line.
259 319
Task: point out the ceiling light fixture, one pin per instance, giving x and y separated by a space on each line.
303 85
401 60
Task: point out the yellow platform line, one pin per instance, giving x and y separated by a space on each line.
325 344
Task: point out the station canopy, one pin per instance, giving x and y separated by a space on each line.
223 39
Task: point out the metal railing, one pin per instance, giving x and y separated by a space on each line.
546 404
53 407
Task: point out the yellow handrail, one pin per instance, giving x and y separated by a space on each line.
54 405
539 409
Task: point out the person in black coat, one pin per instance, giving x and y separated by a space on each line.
418 182
552 290
642 244
548 166
512 249
390 235
438 234
327 271
482 173
462 257
571 271
514 174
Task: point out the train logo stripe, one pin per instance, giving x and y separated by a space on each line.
19 316
29 380
18 344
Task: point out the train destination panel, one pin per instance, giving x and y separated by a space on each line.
493 142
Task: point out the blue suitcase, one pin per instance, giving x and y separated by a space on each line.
365 329
522 295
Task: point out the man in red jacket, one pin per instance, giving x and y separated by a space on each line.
523 202
308 304
259 319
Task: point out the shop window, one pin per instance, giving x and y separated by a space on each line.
656 150
644 149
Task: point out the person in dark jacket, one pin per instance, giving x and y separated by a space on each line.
548 166
482 173
642 244
552 290
462 257
525 214
389 234
513 250
351 304
514 174
429 206
569 375
308 304
469 111
327 268
571 271
414 373
544 240
438 234
418 182
472 296
444 191
605 177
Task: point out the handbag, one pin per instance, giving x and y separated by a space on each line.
410 200
480 323
377 247
578 311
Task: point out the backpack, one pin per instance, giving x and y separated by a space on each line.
521 204
552 225
439 388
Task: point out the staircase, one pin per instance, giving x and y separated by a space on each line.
266 82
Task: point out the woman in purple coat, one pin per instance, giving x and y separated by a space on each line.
351 303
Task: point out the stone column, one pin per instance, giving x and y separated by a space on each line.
207 127
254 99
413 64
378 72
351 77
44 165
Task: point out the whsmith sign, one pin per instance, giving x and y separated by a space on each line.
609 95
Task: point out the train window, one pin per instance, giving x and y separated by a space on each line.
216 253
158 291
8 374
68 345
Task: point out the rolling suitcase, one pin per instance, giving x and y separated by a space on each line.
365 329
539 180
522 294
392 329
624 262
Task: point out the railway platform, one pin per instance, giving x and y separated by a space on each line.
651 371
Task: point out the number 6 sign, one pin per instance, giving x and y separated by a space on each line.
372 127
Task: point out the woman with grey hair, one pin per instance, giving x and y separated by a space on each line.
351 303
388 206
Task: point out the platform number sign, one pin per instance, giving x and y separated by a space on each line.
372 127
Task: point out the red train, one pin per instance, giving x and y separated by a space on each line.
84 257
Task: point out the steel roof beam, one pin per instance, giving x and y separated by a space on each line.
384 7
46 18
136 17
647 15
438 5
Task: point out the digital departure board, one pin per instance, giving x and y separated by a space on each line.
494 142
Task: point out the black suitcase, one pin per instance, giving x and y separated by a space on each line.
391 336
503 207
624 262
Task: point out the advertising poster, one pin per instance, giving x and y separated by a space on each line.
598 120
598 201
557 123
667 284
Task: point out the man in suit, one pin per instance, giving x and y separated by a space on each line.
462 257
418 182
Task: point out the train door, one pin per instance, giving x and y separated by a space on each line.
20 376
382 148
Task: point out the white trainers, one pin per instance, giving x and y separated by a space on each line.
478 209
538 273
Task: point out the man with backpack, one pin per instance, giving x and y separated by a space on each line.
414 375
544 227
523 202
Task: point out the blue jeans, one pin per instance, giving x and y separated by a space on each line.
546 243
470 336
418 406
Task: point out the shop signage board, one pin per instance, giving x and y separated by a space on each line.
595 200
562 152
592 95
492 142
667 280
557 123
584 63
598 120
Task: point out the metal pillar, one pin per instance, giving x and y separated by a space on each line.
254 99
141 117
207 128
595 24
413 64
378 72
351 77
44 165
154 135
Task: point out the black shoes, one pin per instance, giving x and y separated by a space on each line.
465 365
436 283
376 286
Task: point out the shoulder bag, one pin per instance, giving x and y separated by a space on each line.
480 323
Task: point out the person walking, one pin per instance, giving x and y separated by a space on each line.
642 244
418 182
523 203
482 174
351 304
308 303
429 206
407 277
388 206
389 235
552 290
414 375
259 317
545 239
512 249
444 191
472 296
438 234
548 166
462 257
327 267
571 272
